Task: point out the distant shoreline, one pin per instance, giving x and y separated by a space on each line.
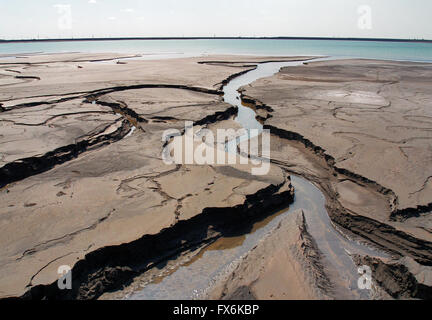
214 38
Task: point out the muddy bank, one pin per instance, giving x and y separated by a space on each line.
359 130
111 268
89 208
323 172
354 109
285 265
194 275
114 211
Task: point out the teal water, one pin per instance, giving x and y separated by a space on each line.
354 49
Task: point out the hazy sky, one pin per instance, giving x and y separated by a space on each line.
107 18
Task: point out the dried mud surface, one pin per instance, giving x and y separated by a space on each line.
83 182
359 129
81 175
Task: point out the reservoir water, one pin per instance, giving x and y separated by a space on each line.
151 49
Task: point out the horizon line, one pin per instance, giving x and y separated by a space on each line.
213 38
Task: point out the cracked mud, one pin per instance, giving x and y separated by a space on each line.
359 129
83 183
82 177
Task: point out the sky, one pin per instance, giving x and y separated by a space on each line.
29 19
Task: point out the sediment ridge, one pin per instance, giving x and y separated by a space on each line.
111 268
385 236
26 167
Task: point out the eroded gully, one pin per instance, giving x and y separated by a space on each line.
194 278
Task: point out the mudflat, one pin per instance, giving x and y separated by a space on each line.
82 177
285 265
361 130
83 182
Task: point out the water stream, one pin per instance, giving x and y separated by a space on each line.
192 279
